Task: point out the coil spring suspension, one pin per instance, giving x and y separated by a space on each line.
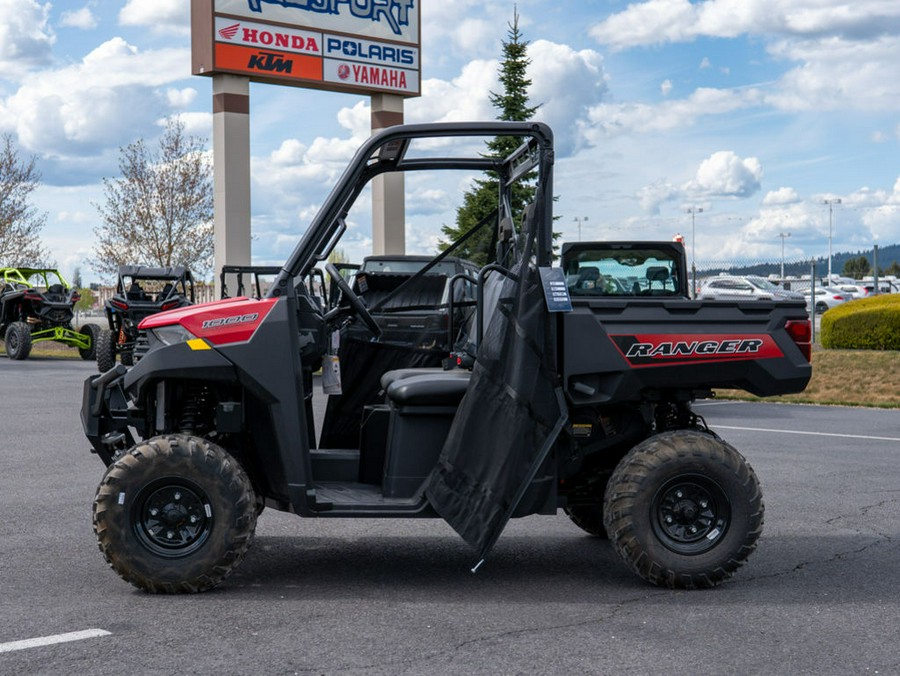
192 407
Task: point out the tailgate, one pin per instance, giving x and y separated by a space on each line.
625 350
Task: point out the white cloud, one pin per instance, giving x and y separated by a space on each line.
159 15
181 98
565 83
724 174
780 197
666 87
102 102
78 18
662 21
618 119
838 73
26 39
465 97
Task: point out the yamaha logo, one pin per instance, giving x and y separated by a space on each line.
343 71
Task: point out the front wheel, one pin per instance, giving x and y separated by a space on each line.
821 307
684 510
105 350
176 514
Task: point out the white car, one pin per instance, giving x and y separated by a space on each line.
826 298
734 287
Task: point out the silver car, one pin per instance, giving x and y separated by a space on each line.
744 287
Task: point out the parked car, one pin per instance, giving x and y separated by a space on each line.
851 291
826 298
735 287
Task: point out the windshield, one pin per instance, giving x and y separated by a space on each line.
407 267
616 272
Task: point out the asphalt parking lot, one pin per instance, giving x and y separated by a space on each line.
820 595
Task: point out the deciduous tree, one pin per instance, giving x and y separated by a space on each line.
20 221
160 210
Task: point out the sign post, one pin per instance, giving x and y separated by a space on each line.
356 46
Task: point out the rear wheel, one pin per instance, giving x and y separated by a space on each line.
684 509
821 307
91 331
18 340
176 514
106 350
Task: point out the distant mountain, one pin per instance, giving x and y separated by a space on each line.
886 256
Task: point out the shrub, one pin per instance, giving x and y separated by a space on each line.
864 324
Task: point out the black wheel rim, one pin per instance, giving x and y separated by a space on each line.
12 342
690 514
172 517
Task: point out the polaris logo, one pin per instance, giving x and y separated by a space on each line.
229 321
369 51
684 348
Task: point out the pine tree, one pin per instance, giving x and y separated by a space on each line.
513 105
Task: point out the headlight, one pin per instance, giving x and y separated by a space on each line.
170 335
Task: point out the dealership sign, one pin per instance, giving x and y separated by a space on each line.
362 46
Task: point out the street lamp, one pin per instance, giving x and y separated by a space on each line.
830 203
783 235
693 211
579 221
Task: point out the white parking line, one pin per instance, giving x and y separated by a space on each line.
52 640
811 434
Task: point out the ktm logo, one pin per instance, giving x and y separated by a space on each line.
270 62
230 31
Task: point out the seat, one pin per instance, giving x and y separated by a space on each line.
587 279
659 274
428 390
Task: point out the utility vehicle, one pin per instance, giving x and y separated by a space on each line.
37 304
575 402
141 291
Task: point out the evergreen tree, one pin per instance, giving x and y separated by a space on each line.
482 199
857 268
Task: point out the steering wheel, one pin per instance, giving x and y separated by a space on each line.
355 301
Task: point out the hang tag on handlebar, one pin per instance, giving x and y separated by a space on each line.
331 374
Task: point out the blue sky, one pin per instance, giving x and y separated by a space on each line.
753 110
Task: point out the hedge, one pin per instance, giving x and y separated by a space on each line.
864 324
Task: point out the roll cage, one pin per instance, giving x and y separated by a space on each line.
389 151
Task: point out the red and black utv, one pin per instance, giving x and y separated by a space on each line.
576 401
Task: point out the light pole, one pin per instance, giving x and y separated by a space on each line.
830 203
783 236
579 221
693 211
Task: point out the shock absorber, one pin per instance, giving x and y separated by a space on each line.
189 419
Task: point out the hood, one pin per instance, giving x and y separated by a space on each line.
220 322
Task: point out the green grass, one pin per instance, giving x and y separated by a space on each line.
845 378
